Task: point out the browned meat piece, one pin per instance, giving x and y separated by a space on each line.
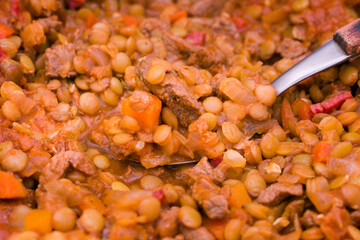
203 168
290 48
59 60
206 57
174 92
335 222
50 23
61 161
277 192
207 8
148 25
355 218
168 225
252 126
50 200
309 219
208 195
200 233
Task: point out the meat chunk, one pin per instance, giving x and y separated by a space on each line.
174 92
61 161
208 195
50 200
290 48
204 168
50 24
205 57
355 218
335 223
200 233
277 192
207 8
59 61
168 225
148 25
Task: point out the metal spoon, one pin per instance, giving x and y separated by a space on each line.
344 45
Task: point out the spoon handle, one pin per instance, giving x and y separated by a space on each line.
348 38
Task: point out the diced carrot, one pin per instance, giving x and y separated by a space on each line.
321 152
147 119
38 220
301 108
178 15
11 187
287 116
216 227
304 111
238 196
5 31
92 201
130 20
90 20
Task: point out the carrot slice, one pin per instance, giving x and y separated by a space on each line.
90 20
130 20
147 119
11 187
178 15
38 220
288 118
321 152
5 31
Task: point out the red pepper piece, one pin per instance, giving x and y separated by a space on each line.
196 38
239 23
216 161
335 102
329 104
316 108
159 194
15 8
73 4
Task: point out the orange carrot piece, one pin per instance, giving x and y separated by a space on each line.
178 15
147 119
321 152
130 20
216 227
288 118
5 31
90 20
238 196
38 220
11 187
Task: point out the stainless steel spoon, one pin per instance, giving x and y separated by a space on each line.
344 45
